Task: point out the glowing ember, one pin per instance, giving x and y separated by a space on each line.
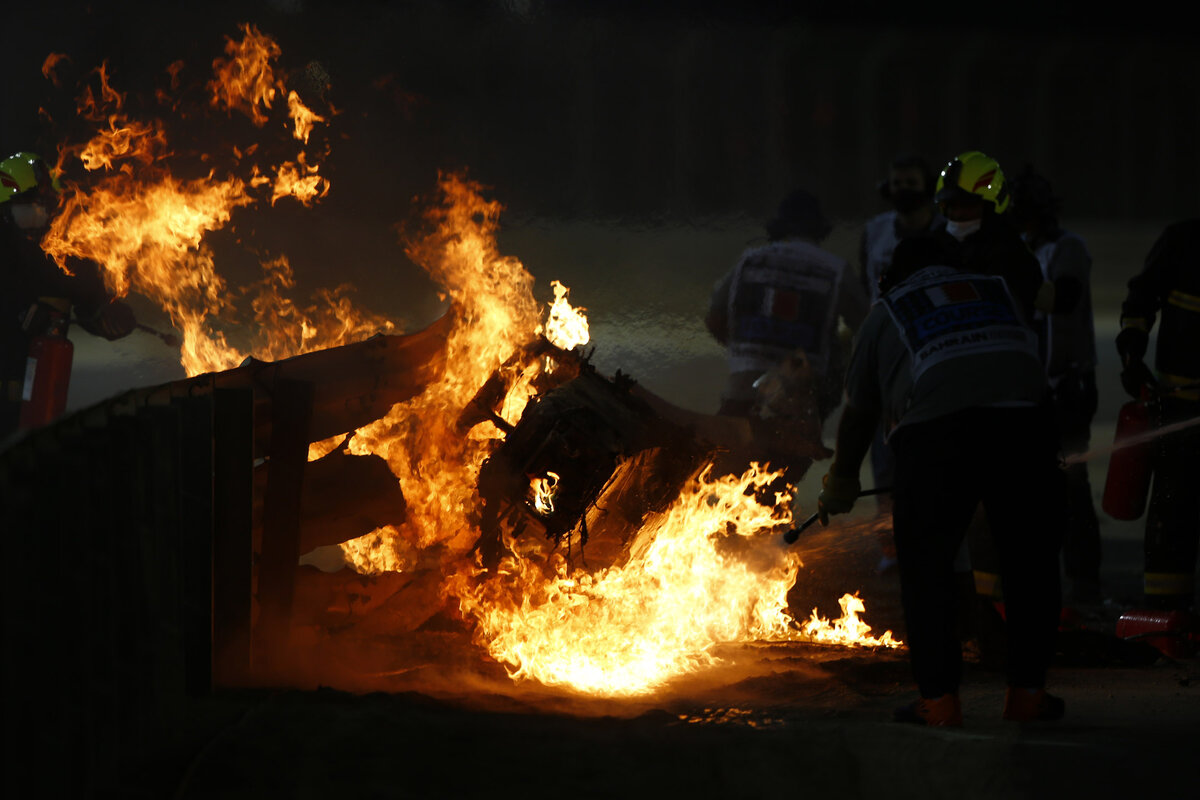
542 491
731 716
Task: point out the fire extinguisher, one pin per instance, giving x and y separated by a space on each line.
48 368
1127 483
1176 633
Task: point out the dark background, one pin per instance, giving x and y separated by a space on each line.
636 147
653 111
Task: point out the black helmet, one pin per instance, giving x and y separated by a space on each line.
906 162
799 215
1034 200
911 254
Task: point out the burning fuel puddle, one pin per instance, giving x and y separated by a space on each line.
754 685
441 654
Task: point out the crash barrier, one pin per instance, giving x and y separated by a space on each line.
152 542
110 519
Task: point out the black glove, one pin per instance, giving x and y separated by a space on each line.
838 496
1135 377
1131 344
113 320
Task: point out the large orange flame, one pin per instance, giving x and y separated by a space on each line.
495 313
146 228
702 572
148 237
626 630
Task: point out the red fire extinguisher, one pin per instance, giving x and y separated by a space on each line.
1127 483
47 370
1175 633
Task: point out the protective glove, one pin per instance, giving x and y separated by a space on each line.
838 496
1135 377
1131 344
113 320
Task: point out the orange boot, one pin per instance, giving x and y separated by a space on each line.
939 711
1032 705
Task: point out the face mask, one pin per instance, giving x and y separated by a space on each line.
906 200
961 230
30 216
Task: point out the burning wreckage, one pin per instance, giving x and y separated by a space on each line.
587 532
587 509
591 457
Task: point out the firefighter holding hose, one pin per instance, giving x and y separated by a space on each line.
37 300
980 237
1169 285
948 362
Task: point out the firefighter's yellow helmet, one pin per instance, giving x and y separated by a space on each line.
973 173
22 172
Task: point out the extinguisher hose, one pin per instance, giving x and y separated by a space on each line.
169 339
791 536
